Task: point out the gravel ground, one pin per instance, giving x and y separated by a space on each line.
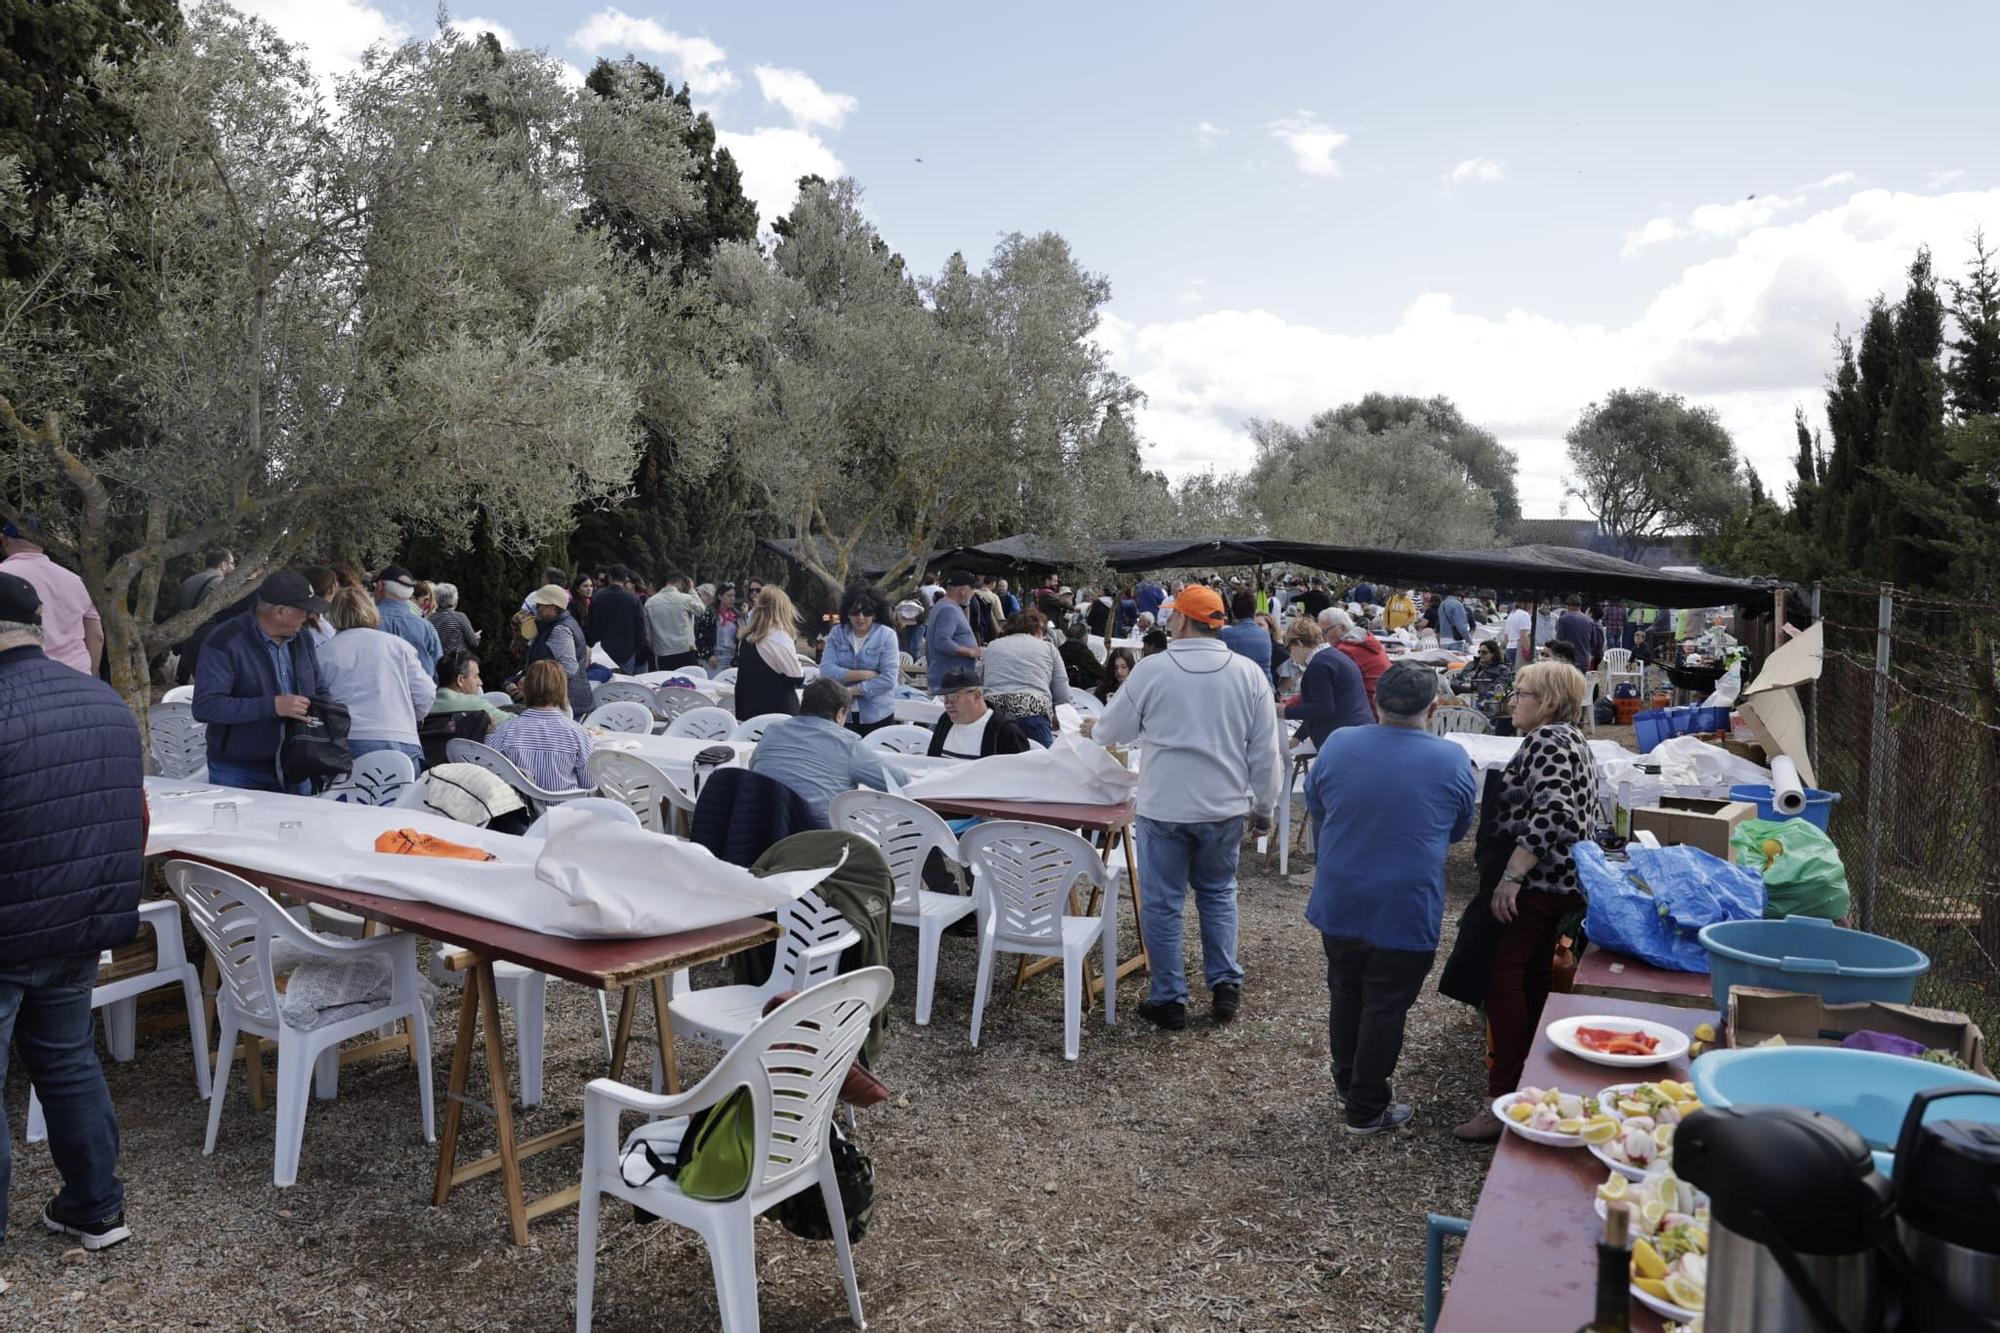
1196 1180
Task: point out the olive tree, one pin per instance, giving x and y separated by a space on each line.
1339 482
330 322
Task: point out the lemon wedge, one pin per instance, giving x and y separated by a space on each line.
1599 1129
1652 1212
1520 1112
1652 1286
1684 1293
1614 1189
1633 1106
1568 1126
1646 1260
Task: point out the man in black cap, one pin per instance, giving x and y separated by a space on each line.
72 847
394 587
969 729
256 671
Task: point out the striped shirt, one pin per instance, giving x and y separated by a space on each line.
550 748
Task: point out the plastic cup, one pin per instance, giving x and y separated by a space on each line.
225 816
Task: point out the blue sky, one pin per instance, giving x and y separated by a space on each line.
1520 206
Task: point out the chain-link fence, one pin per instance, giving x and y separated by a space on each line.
1903 727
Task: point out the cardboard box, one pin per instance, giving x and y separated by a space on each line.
1756 1015
1746 750
1693 821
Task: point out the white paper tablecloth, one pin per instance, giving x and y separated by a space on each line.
1494 752
596 880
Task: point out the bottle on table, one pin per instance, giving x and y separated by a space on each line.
1614 1276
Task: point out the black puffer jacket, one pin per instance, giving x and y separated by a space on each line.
72 812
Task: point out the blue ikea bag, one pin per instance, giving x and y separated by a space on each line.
1654 905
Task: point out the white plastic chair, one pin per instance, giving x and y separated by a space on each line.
673 700
692 672
621 715
239 923
459 750
379 777
120 1001
179 694
1086 705
627 692
1590 688
726 676
707 723
811 938
1022 875
1616 667
640 785
907 833
500 698
752 728
180 744
899 738
793 1064
1446 721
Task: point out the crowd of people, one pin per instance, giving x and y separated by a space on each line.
1200 680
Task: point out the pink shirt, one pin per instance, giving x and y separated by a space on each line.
65 606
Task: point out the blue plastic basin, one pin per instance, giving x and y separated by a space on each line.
1868 1091
1813 956
1819 804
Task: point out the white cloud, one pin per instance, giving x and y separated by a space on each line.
1748 333
334 33
1939 179
1834 181
1311 141
773 159
1476 171
695 61
1192 292
1208 134
1657 231
471 28
802 99
1715 221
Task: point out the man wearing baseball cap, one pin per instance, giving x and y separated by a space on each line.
72 632
1206 720
1387 802
394 587
949 641
72 847
256 672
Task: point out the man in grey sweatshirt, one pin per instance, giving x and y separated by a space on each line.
1206 721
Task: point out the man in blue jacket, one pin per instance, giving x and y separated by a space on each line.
256 672
394 589
1388 802
72 847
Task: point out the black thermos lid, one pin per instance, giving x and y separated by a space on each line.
1948 1174
1811 1177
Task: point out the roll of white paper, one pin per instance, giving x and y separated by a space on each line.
1788 795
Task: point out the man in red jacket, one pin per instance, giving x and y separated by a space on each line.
1361 647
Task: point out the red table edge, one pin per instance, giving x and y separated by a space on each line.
604 964
1095 818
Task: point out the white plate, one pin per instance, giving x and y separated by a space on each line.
1607 1101
1673 1042
1674 1312
1548 1138
1603 1208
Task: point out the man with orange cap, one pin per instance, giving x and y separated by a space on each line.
1205 718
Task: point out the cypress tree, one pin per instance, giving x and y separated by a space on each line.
1806 484
1911 434
1973 378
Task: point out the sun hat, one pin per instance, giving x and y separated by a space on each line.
550 594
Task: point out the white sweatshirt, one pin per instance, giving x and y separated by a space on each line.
1205 718
381 680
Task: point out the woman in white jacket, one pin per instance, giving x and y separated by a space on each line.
377 676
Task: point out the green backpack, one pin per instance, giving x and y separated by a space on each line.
715 1154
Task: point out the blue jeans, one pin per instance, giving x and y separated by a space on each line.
416 752
253 779
45 1010
1036 728
1172 859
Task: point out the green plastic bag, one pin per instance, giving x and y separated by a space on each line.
717 1149
1800 865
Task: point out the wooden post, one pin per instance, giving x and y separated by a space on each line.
1880 768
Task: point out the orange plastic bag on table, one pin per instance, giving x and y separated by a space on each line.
410 842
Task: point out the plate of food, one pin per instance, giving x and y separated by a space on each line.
1550 1116
1644 1117
1658 1203
1607 1040
1670 1273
